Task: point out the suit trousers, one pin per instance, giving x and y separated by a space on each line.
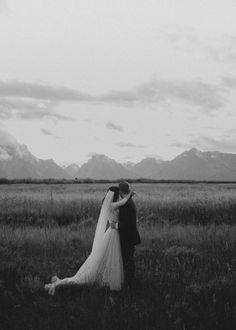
127 251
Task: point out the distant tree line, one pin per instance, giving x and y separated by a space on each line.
91 181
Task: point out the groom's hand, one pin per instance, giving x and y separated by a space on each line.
132 193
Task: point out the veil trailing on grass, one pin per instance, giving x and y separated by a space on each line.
94 264
104 265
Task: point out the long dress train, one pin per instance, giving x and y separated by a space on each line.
104 265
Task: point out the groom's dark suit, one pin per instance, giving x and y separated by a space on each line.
129 237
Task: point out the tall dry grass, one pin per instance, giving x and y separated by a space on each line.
156 203
185 271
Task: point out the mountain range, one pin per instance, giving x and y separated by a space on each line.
17 162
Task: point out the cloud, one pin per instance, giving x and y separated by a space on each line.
227 145
182 35
41 91
195 92
231 131
220 49
7 139
182 145
46 132
26 115
129 145
25 104
229 82
4 113
206 96
33 101
114 126
28 109
209 144
49 133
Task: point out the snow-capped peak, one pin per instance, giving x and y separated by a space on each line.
4 155
23 152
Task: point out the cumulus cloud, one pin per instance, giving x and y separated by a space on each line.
114 126
129 145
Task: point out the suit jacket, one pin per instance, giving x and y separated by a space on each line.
128 224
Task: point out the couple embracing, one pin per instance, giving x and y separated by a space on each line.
111 261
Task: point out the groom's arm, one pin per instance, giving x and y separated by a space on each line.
123 201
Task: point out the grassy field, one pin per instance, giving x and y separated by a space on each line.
185 266
157 203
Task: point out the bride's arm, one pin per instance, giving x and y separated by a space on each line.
122 202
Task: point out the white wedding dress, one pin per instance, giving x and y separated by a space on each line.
104 265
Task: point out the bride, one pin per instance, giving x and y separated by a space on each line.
104 265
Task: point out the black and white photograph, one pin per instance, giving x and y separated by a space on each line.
117 164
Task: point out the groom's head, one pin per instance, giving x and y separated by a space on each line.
124 188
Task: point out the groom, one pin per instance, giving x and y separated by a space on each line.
129 235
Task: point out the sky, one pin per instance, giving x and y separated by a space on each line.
129 79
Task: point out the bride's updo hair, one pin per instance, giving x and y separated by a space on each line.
116 193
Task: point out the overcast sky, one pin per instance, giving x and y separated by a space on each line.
125 78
